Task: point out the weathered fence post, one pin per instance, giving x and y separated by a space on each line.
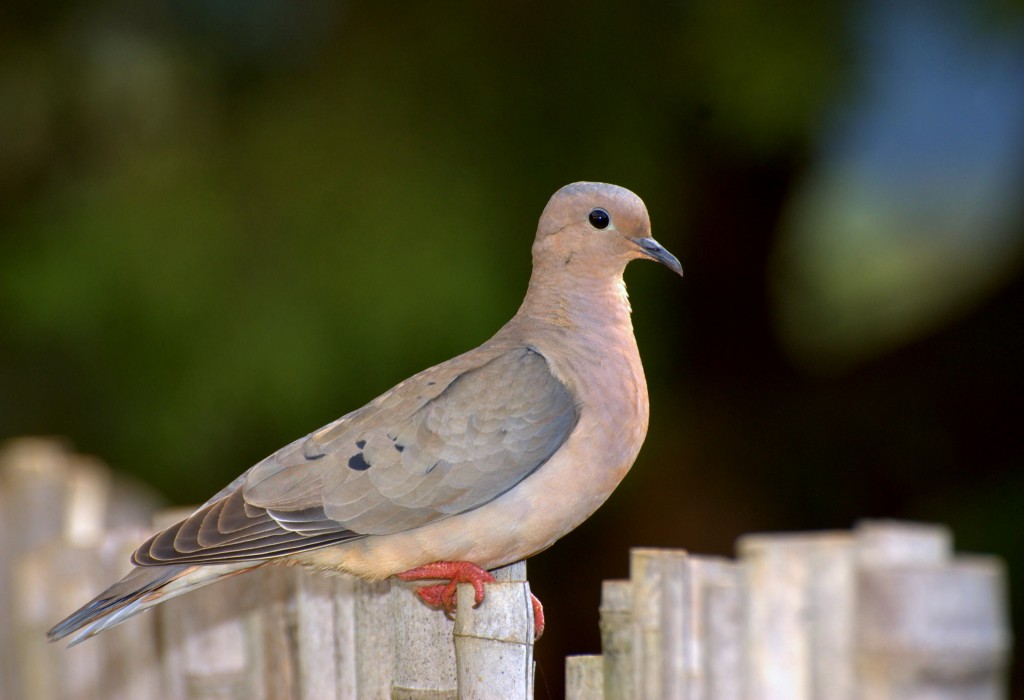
881 613
494 643
885 612
32 477
424 652
660 593
672 656
948 639
584 677
344 636
799 631
323 664
724 618
706 573
426 641
895 543
60 552
617 639
213 644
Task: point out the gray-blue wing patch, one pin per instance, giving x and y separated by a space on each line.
489 429
441 443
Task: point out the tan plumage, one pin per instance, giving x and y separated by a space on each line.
486 458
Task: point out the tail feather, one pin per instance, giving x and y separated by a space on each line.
141 589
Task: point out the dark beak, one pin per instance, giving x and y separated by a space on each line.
653 250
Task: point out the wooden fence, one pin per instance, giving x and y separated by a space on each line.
883 613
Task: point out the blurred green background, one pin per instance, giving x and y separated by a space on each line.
225 223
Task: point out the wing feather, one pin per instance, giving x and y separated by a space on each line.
446 441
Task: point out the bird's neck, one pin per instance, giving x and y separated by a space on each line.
590 317
590 303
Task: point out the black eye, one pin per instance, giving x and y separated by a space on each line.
599 218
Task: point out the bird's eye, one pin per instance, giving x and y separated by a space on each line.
599 218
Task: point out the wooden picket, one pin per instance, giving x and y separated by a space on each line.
884 612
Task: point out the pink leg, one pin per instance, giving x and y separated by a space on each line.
538 617
442 595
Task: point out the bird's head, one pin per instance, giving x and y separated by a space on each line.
598 227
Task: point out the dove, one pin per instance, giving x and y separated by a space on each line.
472 464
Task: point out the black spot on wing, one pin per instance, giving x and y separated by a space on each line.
360 444
399 447
358 462
311 450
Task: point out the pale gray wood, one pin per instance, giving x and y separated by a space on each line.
344 638
33 472
73 574
934 632
584 677
882 542
40 591
214 652
831 597
778 652
347 642
362 639
53 498
171 626
131 665
660 592
800 593
374 633
56 578
126 658
64 558
172 622
705 572
512 572
724 619
424 652
272 591
130 503
884 614
233 639
318 601
257 593
494 642
616 615
82 556
87 500
213 637
36 471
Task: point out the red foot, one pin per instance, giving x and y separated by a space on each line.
538 617
442 595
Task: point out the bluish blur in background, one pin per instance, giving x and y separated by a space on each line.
224 224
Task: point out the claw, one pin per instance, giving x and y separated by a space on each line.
442 595
538 617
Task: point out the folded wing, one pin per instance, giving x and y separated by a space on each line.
446 441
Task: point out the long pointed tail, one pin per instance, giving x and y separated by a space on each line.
141 589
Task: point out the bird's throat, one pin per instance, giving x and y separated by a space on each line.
588 304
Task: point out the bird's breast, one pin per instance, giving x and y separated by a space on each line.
606 381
